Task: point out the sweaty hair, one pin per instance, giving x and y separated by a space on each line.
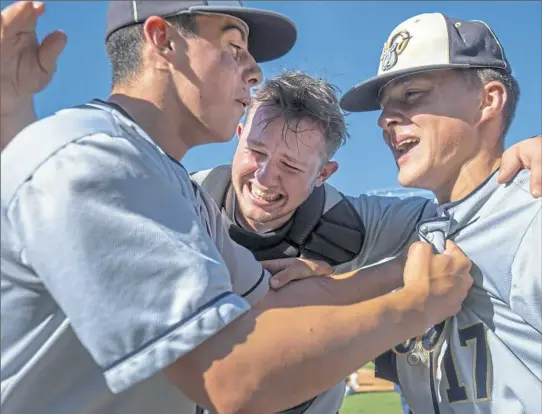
297 96
124 47
478 78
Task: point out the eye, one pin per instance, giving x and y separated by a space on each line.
412 95
252 150
291 167
235 50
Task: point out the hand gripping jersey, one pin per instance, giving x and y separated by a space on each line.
488 358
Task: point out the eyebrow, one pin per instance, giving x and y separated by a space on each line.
235 27
291 160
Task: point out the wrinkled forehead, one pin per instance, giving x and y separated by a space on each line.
269 125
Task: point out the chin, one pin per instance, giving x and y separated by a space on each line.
412 179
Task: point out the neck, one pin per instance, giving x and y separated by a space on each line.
259 227
470 176
160 114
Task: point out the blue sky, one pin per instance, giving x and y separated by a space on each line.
340 41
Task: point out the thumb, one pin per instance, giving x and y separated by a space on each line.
418 259
50 49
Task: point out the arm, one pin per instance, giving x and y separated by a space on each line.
263 361
358 285
26 65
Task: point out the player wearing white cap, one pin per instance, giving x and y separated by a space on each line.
447 98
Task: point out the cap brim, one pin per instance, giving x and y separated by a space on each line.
271 35
364 96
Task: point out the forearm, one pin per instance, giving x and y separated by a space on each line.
364 284
293 345
13 123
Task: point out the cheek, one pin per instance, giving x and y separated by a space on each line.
216 77
298 187
454 141
243 165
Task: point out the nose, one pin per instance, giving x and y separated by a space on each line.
266 174
253 73
390 116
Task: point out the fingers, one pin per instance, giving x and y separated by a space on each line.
536 179
453 249
535 162
301 269
461 263
21 17
50 49
510 165
525 154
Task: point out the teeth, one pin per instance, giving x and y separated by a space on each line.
406 144
265 196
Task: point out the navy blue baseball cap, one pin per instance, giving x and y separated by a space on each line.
271 35
425 43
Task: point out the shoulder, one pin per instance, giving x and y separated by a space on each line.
76 145
370 205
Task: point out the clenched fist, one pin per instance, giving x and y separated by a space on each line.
437 284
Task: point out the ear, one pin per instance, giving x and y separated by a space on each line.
327 170
158 34
494 98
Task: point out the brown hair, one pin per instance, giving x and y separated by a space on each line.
298 96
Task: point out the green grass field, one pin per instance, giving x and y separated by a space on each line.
372 403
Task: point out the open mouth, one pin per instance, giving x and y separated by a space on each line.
263 196
405 146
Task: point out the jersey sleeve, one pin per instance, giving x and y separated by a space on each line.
526 271
390 226
123 252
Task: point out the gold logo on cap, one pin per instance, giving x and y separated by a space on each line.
393 48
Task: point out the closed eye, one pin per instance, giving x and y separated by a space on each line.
291 167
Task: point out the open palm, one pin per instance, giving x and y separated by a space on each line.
26 66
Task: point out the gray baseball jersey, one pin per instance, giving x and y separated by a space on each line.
390 227
488 358
114 265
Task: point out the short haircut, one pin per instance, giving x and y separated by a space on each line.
124 47
479 77
298 96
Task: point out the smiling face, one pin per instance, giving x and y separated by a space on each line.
275 169
430 122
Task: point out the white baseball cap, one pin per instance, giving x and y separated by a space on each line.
428 42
